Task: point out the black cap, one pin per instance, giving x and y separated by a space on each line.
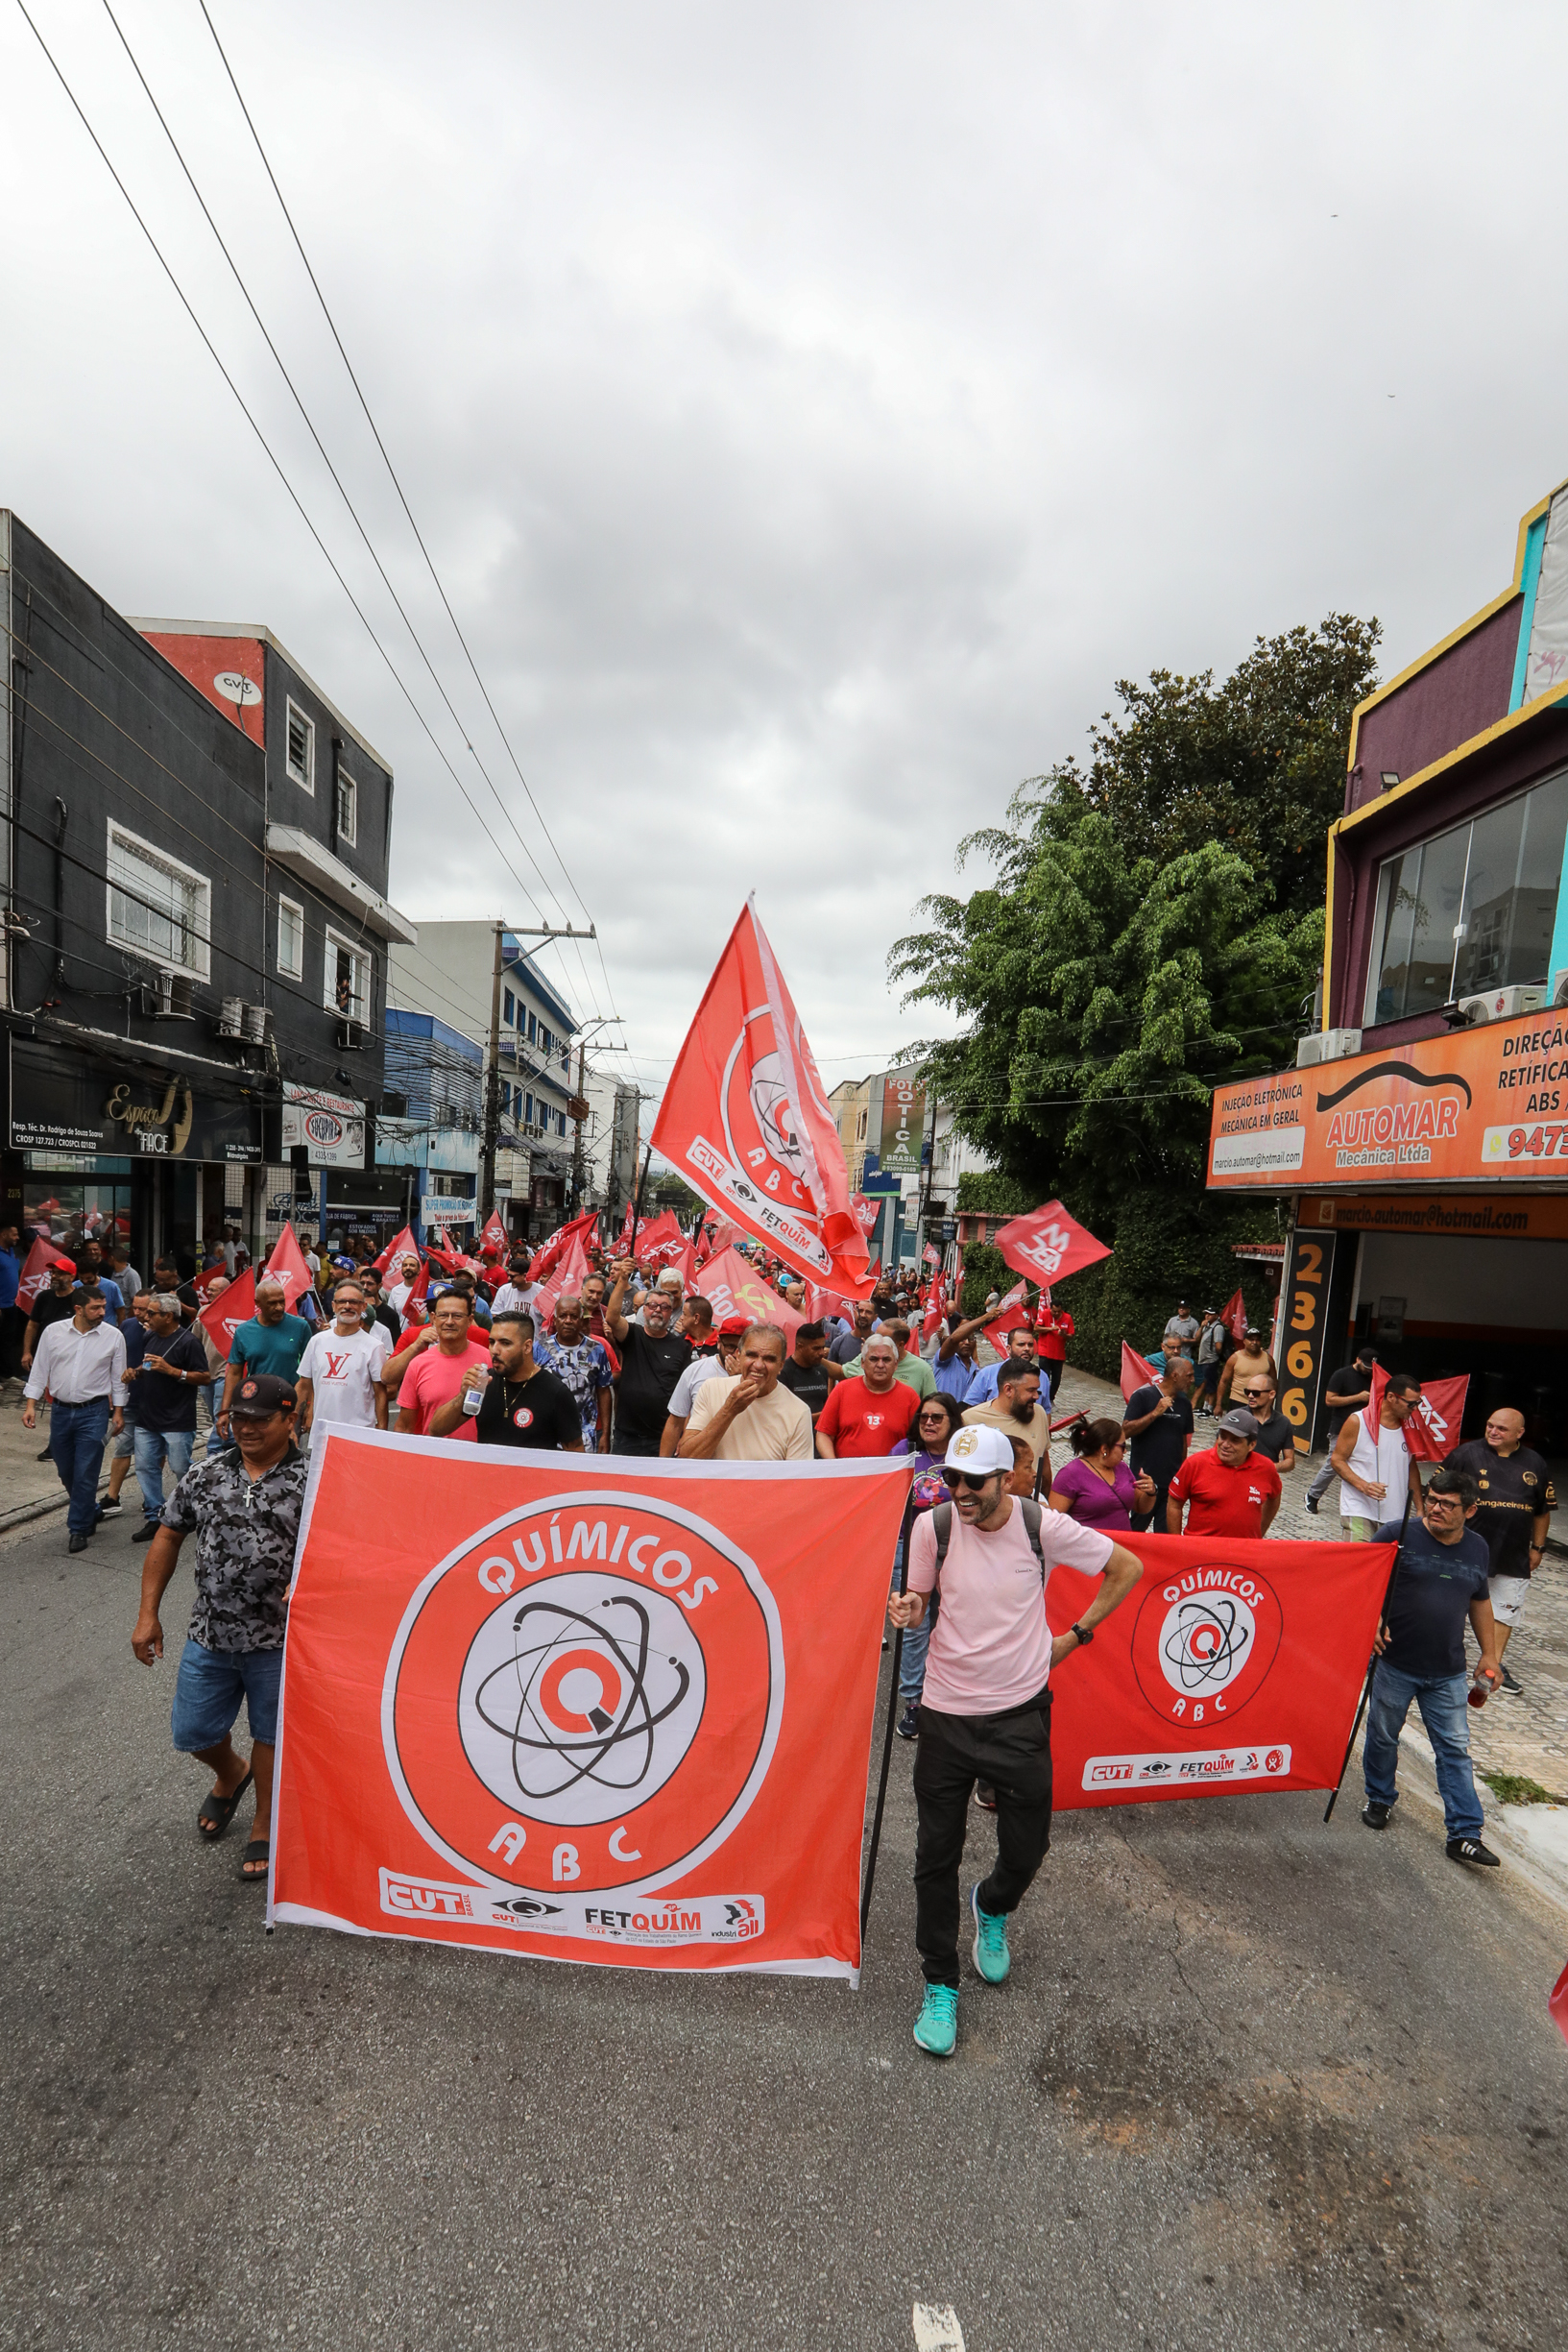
263 1393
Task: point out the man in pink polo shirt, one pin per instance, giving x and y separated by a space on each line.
985 1711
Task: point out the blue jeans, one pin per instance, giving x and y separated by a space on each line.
76 1440
209 1688
213 1393
1446 1716
155 1447
917 1640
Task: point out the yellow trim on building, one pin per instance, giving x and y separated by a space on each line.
1450 759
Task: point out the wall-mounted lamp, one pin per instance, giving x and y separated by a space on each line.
1389 778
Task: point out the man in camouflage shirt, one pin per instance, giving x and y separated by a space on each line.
243 1507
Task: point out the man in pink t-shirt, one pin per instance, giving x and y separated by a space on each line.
433 1366
985 1711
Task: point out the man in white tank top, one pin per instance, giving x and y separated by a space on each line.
1376 1468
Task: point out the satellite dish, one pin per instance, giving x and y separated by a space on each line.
235 686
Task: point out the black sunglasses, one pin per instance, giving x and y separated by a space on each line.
973 1480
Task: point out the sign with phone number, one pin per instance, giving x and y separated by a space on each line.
1525 1143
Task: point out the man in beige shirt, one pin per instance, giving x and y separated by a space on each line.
1017 1411
751 1417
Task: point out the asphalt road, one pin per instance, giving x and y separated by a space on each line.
1253 2083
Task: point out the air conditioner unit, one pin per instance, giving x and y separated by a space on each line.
1559 989
351 1035
258 1024
231 1019
1500 1005
169 996
1327 1045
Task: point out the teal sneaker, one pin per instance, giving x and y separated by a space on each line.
992 1958
936 2027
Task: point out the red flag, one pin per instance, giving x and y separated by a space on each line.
659 1240
1433 1430
209 1274
733 1288
1136 1371
223 1318
1232 1315
866 1211
937 1308
1047 1245
286 1264
548 1255
1012 1315
399 1247
746 1119
931 1256
1234 1666
494 1237
1556 2003
41 1260
568 1273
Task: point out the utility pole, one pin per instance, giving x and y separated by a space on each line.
577 1108
492 1072
926 1183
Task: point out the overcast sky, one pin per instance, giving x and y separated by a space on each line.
812 411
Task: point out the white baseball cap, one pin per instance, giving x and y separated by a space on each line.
981 1450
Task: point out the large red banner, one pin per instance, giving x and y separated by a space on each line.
1231 1665
746 1119
732 1286
621 1716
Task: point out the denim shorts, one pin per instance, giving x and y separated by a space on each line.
122 1448
209 1688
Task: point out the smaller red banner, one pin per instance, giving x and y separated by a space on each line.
1049 1244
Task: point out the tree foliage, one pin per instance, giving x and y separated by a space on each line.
1154 928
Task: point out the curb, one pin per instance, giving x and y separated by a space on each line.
1546 1872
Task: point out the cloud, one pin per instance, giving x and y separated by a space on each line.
811 414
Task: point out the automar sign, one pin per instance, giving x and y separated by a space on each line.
1489 1103
332 1126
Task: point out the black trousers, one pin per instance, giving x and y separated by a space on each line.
1013 1753
1154 1524
627 1441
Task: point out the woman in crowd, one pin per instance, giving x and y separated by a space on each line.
937 1423
1097 1487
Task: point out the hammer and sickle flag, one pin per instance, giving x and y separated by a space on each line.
745 1119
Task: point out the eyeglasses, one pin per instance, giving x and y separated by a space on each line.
971 1482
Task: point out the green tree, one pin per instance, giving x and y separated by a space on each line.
1154 928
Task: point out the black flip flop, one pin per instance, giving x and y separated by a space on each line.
219 1811
260 1850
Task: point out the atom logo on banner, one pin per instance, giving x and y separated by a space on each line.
1203 1643
613 1668
587 1698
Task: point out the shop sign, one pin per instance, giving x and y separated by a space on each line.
1474 1105
140 1113
332 1126
1304 1333
448 1209
904 1120
1538 1216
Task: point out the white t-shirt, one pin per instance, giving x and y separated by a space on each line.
991 1644
343 1373
516 1297
397 1294
699 1369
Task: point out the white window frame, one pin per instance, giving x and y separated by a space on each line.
364 962
306 781
348 832
201 966
297 969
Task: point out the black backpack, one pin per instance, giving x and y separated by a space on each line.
942 1521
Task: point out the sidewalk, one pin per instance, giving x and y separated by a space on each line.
1523 1739
31 1488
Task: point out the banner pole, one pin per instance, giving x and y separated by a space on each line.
1372 1661
892 1709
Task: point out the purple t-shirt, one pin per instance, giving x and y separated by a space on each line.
1090 1501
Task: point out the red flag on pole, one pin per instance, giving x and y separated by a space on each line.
1232 1315
746 1120
866 1211
1011 1315
1136 1371
494 1237
549 1254
1433 1430
732 1287
936 1309
399 1247
1047 1245
236 1305
42 1259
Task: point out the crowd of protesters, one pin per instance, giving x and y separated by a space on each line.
633 1361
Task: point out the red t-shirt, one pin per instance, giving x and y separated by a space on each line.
1051 1334
432 1380
1225 1502
860 1421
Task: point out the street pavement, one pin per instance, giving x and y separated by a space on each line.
1254 2083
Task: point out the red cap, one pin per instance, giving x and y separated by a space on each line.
65 1265
733 1326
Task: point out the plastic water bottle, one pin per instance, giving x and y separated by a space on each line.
1479 1691
474 1395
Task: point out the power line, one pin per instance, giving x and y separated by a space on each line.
271 458
408 510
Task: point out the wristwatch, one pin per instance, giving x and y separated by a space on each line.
1083 1632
